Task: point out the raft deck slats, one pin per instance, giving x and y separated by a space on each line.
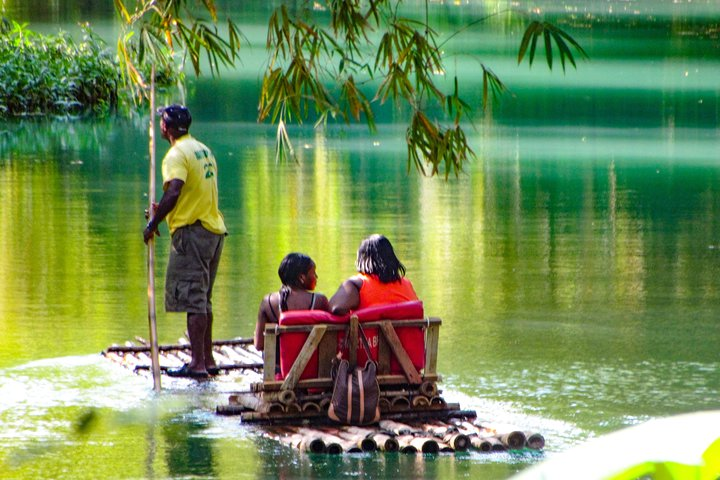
178 346
237 354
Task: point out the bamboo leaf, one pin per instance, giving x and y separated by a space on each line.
120 7
572 41
563 50
529 35
533 44
548 48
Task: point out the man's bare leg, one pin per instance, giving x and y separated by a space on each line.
208 348
197 325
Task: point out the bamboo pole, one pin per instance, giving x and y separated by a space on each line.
405 444
482 444
514 440
497 445
445 448
230 409
287 397
420 402
311 407
425 445
351 447
535 441
419 444
333 444
429 389
386 443
457 441
311 445
251 357
439 430
396 427
383 442
151 244
296 440
361 440
400 403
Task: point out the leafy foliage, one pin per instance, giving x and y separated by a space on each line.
165 34
324 67
549 33
41 75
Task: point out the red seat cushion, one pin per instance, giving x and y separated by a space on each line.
412 338
291 343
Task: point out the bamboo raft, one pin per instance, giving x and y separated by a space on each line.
289 402
235 355
456 434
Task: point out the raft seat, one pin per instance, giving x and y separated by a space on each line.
412 339
291 343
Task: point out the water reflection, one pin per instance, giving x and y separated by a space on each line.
187 452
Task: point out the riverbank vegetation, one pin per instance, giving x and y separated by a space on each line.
43 75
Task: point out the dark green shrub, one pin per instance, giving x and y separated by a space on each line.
53 75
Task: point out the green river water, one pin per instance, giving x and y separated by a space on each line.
575 264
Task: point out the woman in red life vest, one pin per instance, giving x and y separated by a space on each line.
298 277
380 279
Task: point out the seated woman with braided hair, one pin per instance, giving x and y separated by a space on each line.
380 279
299 278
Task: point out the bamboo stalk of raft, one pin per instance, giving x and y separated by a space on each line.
412 440
130 347
383 441
333 443
445 448
250 356
512 440
535 441
306 443
421 444
355 438
232 354
439 429
448 435
171 356
396 428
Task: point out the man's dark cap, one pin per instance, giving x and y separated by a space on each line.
176 116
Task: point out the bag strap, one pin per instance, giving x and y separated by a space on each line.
363 338
365 343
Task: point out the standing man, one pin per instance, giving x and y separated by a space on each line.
190 204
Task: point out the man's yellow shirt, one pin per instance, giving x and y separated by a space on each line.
193 163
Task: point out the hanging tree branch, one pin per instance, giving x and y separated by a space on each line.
166 33
325 66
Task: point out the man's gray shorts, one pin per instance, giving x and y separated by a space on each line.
192 266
